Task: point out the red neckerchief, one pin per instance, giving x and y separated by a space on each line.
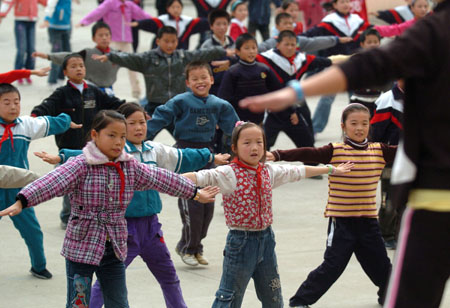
7 133
104 50
258 175
122 178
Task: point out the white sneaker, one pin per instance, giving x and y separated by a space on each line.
201 259
189 259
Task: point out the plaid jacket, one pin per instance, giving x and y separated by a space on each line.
94 190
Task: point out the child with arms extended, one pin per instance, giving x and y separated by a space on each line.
100 183
352 210
246 185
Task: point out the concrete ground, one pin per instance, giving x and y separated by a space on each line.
299 224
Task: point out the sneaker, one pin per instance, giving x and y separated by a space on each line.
20 81
63 225
44 274
189 259
301 306
29 81
391 244
177 250
316 177
201 259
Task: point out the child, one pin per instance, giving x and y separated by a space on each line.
219 21
353 226
247 78
239 12
290 7
283 21
145 234
101 183
12 177
118 14
195 116
246 185
163 67
185 26
11 76
289 64
101 75
397 15
259 16
13 152
58 21
25 13
79 100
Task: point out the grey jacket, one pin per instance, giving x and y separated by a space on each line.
164 74
307 44
102 75
12 177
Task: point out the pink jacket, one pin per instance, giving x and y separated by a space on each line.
25 10
99 199
117 15
394 30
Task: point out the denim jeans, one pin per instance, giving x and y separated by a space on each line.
110 273
25 42
249 254
60 41
322 112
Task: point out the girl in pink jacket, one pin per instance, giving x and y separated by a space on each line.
118 14
25 14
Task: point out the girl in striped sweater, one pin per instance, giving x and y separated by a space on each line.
351 208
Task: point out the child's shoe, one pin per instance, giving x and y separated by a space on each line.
20 81
29 81
391 244
44 274
301 306
189 259
201 259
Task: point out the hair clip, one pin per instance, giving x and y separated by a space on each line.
239 123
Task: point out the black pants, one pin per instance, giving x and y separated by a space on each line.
422 264
347 236
263 29
388 216
301 134
195 216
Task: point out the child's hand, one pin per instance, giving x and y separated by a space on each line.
38 54
74 125
345 40
207 194
13 210
294 119
79 25
48 158
230 52
270 156
101 58
133 24
221 159
41 72
343 168
44 24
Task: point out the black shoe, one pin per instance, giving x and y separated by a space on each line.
391 244
44 274
316 177
63 225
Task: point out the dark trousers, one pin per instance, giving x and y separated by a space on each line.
301 134
25 34
195 216
388 216
347 236
422 264
60 41
263 29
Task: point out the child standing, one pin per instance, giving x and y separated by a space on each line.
247 78
246 185
118 14
13 152
397 15
195 116
239 12
101 183
25 13
353 226
259 16
291 7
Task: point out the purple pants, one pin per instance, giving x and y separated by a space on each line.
145 239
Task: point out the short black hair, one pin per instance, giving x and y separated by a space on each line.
370 31
285 33
170 2
100 25
218 13
166 30
8 88
70 56
286 3
281 16
196 65
243 38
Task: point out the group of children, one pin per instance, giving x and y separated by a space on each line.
101 175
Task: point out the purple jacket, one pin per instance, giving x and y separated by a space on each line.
94 190
117 18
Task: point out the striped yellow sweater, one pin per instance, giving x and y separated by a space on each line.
354 194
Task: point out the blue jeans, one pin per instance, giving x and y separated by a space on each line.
25 42
322 112
249 254
110 273
60 41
